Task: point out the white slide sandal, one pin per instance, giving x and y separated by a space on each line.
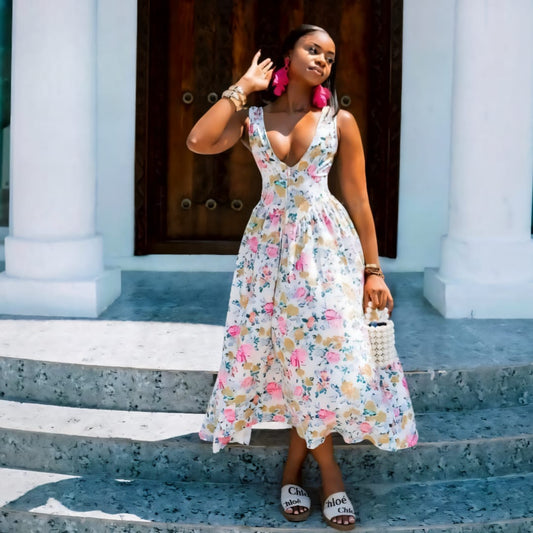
295 496
338 504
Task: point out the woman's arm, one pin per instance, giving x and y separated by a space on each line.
221 127
351 161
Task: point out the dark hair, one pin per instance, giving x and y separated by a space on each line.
288 44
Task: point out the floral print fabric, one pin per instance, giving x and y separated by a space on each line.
296 349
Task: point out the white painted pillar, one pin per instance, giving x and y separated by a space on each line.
487 256
54 259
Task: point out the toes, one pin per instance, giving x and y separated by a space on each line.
296 510
345 520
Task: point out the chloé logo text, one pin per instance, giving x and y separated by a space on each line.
296 491
336 501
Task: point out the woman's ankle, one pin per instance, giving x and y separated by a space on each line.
292 474
332 480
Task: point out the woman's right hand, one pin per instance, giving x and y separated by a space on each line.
257 77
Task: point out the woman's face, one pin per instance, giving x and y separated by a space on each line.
312 58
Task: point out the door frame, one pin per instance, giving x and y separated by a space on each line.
383 142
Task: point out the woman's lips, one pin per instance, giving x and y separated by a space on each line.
317 70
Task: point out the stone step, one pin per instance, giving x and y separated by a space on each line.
171 367
165 446
188 391
37 502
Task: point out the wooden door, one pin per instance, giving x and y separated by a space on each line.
189 51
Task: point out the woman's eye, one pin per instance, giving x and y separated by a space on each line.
313 50
330 61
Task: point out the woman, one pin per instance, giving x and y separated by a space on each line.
296 349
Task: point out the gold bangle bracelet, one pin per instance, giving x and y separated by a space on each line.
236 95
379 274
237 88
234 101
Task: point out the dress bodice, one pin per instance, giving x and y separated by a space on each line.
305 180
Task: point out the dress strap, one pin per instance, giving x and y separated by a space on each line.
331 121
254 114
256 133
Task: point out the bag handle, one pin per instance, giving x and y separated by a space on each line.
373 314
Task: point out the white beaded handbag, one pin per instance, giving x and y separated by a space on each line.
381 334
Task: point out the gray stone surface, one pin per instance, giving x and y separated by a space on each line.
148 365
187 391
105 343
61 503
472 388
425 339
158 348
165 446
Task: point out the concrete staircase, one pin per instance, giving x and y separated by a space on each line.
98 422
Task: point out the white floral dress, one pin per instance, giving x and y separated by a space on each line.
296 349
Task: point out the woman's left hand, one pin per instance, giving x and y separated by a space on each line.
378 293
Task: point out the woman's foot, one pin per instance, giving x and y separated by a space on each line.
332 484
292 473
295 503
331 479
296 492
335 506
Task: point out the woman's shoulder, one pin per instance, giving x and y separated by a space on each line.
347 129
345 120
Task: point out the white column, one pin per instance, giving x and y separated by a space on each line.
487 256
54 259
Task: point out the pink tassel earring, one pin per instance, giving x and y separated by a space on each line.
321 96
280 79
